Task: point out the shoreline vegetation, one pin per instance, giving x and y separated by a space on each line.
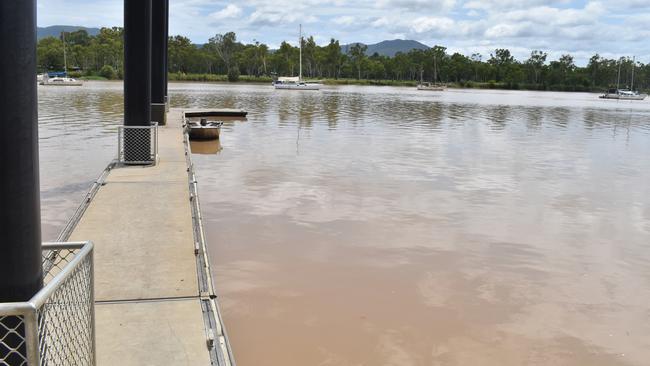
245 79
379 82
224 59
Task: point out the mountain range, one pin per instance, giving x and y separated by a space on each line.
389 48
55 30
384 48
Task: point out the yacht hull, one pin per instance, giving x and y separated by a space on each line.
78 83
623 97
297 86
431 88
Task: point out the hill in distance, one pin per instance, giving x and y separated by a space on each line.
384 48
55 30
389 48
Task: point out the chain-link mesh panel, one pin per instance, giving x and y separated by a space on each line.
138 144
65 321
54 261
12 341
60 320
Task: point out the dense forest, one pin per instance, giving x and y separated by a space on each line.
224 58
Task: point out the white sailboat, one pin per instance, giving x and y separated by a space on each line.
624 94
431 86
296 83
61 80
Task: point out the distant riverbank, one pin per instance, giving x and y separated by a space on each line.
368 82
406 83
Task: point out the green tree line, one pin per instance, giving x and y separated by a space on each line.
102 55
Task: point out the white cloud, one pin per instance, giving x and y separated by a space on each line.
230 11
435 6
498 5
579 27
344 20
274 18
433 24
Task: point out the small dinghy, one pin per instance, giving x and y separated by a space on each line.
204 129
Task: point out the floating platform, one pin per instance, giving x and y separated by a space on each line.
191 113
154 300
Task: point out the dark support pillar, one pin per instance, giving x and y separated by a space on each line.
21 275
158 51
166 53
20 221
137 77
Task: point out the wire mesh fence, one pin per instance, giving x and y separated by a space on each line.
57 325
138 145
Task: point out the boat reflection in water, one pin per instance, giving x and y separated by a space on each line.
206 147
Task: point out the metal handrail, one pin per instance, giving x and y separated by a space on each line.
85 248
220 349
72 288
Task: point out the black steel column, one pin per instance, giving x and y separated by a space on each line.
20 213
137 62
137 77
21 275
158 51
166 52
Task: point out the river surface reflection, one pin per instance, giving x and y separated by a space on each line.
386 226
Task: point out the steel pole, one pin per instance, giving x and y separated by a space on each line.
137 78
158 51
20 218
21 274
166 52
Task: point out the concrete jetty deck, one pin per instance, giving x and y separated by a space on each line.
150 305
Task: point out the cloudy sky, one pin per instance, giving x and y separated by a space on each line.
579 27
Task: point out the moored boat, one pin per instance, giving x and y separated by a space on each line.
204 129
61 81
623 94
296 83
422 85
431 87
60 78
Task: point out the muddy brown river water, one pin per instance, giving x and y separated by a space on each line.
385 226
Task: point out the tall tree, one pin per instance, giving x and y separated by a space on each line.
536 62
180 50
567 66
333 58
309 54
501 59
358 55
225 45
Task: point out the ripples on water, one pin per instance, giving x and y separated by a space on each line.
77 128
386 226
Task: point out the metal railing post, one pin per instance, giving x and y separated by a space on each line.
91 258
31 338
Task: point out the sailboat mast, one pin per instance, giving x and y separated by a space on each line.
618 79
300 41
633 67
435 68
65 60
